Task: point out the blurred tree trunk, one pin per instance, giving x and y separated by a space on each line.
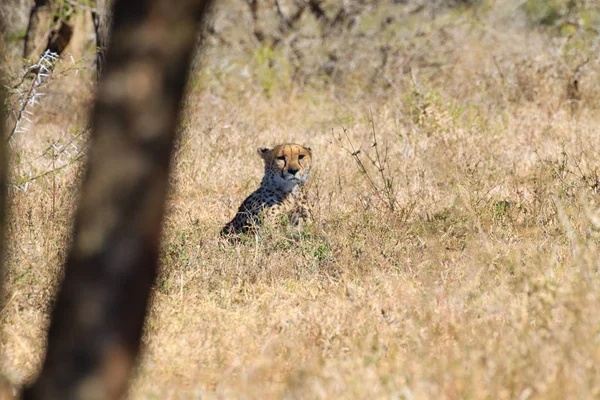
102 23
55 25
6 389
3 189
41 18
96 325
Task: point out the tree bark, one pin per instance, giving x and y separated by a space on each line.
97 321
102 23
38 28
3 189
6 389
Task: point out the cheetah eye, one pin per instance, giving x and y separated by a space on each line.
300 157
282 158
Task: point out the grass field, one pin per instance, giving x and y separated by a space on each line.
455 256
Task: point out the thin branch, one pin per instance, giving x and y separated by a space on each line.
43 69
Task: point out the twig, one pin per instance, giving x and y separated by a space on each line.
33 179
354 153
43 69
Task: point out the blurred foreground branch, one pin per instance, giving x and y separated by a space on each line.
97 321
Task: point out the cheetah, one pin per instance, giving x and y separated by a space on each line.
281 192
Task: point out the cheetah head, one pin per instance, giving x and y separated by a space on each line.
287 165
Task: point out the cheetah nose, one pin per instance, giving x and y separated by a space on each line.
293 170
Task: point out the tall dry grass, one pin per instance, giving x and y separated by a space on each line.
461 264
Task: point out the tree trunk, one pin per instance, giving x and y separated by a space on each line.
97 321
39 27
3 190
6 389
102 23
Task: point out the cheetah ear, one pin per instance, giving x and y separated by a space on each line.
308 149
263 152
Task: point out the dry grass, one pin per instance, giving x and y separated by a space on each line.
482 281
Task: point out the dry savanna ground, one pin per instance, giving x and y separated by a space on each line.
454 252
